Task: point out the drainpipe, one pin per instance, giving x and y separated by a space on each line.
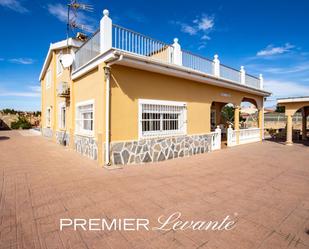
107 71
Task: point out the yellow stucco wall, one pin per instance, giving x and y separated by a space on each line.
91 87
292 107
128 85
48 99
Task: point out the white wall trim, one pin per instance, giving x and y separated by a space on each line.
60 106
48 124
290 100
92 64
140 62
55 46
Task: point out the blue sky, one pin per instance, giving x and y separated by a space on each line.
269 37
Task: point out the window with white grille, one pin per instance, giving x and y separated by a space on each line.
48 78
62 114
162 118
48 117
85 118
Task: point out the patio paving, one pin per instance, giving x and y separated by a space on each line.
263 186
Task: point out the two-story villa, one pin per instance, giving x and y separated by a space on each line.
129 98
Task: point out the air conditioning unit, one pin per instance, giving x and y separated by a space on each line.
63 89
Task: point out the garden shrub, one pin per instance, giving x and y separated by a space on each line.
21 123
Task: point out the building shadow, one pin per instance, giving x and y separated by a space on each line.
4 138
282 141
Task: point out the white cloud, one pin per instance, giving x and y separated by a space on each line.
188 29
18 94
14 5
34 92
200 27
60 12
205 23
24 61
35 88
271 50
282 88
205 37
287 70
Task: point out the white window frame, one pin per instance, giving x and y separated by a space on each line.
79 130
59 66
48 116
62 119
48 78
181 131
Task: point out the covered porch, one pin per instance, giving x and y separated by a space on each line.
293 105
227 118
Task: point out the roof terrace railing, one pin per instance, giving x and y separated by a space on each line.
197 62
114 36
229 73
131 41
252 81
89 50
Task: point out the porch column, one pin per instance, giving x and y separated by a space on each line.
261 122
289 130
236 122
304 124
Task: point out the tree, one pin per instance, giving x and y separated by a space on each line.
21 123
280 109
228 115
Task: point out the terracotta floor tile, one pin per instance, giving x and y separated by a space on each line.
263 186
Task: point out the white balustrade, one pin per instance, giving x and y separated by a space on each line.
231 137
131 41
87 51
245 136
229 73
197 62
216 139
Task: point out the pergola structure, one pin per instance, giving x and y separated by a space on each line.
292 105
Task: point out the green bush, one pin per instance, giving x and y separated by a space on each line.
21 123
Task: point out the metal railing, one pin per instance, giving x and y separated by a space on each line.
252 81
229 73
89 50
197 62
131 41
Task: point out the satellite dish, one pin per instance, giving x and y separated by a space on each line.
66 60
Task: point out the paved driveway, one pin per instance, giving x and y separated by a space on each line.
263 187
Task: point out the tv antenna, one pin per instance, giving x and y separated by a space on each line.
72 22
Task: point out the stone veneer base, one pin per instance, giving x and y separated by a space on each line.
47 132
63 138
159 149
87 146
